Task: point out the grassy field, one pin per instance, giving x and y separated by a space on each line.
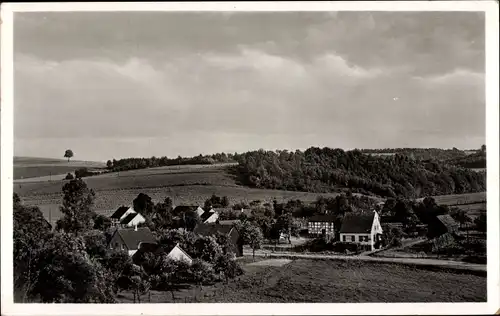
315 281
33 167
473 203
456 199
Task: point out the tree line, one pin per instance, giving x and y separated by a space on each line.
333 170
421 153
141 163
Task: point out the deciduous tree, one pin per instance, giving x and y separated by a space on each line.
68 154
78 201
251 235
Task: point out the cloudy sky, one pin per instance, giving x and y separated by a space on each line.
113 85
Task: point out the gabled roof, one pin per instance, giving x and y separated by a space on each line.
182 250
448 221
127 219
132 237
330 218
156 249
357 223
212 229
119 212
206 215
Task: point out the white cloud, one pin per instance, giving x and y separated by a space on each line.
337 64
234 101
458 77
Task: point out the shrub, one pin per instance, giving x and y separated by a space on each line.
475 259
476 246
227 267
201 272
346 246
82 172
69 176
314 245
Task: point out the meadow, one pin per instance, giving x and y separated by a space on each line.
33 167
318 281
473 203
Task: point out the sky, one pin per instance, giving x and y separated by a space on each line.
137 84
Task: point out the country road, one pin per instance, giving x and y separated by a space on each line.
410 261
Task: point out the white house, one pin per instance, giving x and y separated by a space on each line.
362 228
126 217
200 211
178 254
132 220
209 217
130 239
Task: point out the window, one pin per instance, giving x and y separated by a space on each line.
122 246
344 238
116 245
353 238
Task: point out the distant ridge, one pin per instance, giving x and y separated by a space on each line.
45 160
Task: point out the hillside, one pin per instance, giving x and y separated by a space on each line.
330 170
33 167
473 161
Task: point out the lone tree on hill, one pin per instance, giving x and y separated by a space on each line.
68 154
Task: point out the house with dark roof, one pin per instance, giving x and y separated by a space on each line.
132 220
174 253
362 228
442 224
228 230
209 217
130 239
321 225
119 214
126 216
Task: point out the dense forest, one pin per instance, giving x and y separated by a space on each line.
420 153
452 156
477 160
331 170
